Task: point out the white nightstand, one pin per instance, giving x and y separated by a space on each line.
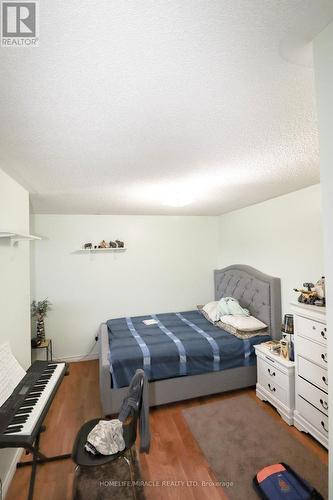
276 382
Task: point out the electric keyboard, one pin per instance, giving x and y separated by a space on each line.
22 415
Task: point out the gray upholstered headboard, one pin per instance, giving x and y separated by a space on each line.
258 292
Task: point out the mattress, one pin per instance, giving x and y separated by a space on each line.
178 344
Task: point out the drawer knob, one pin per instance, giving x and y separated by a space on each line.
271 388
324 379
324 404
272 374
324 357
323 426
322 333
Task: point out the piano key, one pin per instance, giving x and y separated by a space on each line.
20 420
22 415
14 429
23 410
28 403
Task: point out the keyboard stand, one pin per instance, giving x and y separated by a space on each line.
38 459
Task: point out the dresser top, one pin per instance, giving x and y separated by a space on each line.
313 312
264 350
309 307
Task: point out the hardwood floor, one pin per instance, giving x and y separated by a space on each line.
174 455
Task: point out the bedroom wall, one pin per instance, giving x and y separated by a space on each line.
14 296
323 57
168 265
282 236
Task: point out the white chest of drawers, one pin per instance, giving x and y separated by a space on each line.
276 382
311 380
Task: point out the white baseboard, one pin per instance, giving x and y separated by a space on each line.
79 357
11 471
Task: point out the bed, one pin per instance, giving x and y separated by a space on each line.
256 291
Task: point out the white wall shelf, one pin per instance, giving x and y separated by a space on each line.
101 250
16 237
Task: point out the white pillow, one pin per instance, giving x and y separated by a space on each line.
211 311
243 323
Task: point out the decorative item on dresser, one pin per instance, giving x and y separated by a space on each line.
276 381
311 413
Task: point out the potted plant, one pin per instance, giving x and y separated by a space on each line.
39 311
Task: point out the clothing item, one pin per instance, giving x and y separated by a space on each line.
131 404
106 437
230 306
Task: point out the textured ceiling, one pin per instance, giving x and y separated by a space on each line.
129 107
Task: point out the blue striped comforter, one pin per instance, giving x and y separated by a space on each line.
179 344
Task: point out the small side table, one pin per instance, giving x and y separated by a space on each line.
47 345
276 382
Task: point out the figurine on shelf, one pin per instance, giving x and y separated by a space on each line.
120 244
87 246
113 244
103 244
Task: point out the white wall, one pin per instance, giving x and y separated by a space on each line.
323 56
281 237
14 279
168 266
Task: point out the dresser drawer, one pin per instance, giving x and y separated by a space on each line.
312 415
274 389
313 395
272 372
312 351
313 373
311 329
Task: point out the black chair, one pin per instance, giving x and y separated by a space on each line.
83 458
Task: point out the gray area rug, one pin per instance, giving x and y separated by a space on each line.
239 438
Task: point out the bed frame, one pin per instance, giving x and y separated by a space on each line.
258 292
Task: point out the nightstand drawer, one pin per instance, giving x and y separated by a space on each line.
274 389
272 372
312 351
313 373
312 415
313 395
311 329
